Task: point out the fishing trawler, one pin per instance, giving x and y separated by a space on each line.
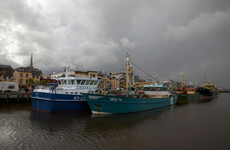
114 104
208 89
65 95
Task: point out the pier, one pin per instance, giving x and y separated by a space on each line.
14 97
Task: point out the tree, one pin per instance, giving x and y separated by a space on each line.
30 81
42 82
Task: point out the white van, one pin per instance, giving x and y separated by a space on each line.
8 87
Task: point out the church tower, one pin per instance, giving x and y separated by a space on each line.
31 62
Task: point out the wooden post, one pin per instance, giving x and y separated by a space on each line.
18 97
7 96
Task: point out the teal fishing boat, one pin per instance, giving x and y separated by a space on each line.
114 104
106 104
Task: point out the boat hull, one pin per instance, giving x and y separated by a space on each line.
52 102
104 104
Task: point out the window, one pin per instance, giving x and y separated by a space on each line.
95 83
21 74
21 81
87 82
65 82
26 81
59 82
92 82
72 82
11 87
78 82
27 75
82 82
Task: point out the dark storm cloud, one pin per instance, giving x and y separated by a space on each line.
165 38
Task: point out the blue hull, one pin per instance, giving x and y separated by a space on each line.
51 102
104 104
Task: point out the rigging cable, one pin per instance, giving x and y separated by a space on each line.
144 71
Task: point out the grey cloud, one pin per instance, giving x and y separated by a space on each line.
165 38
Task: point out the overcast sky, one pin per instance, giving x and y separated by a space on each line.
164 37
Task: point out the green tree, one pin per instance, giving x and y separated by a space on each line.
30 81
42 82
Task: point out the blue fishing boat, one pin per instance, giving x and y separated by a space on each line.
115 104
66 95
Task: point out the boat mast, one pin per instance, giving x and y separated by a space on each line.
130 76
127 75
170 84
204 78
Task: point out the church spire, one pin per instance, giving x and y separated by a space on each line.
31 61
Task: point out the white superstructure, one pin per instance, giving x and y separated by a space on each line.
156 90
71 85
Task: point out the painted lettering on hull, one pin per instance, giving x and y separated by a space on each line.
114 99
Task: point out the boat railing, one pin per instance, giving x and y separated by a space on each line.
48 87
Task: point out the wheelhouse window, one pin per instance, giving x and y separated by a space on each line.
92 82
95 83
11 87
87 82
65 82
59 81
82 82
72 82
158 89
78 82
146 88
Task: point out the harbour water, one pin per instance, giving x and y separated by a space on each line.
193 125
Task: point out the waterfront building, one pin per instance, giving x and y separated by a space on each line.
115 84
22 75
57 75
92 74
46 76
6 73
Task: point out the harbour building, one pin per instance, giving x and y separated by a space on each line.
22 75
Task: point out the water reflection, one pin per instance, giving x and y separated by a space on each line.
54 121
122 121
193 99
198 121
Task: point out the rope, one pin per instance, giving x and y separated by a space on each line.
144 72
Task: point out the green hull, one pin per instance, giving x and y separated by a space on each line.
105 104
187 98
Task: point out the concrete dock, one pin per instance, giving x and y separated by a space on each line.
15 97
